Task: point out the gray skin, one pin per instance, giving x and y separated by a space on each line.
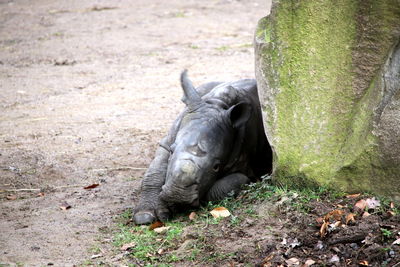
216 145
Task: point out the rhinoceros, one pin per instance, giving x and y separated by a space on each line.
216 145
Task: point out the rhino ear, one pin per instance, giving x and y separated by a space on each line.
239 114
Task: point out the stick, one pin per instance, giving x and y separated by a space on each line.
21 189
118 169
39 189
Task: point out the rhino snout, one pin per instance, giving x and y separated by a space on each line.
188 195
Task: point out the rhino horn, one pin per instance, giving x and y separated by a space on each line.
191 96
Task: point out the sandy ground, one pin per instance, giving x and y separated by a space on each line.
87 88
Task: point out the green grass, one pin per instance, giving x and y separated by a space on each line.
148 243
152 249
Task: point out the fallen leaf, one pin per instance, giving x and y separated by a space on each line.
91 186
372 203
268 258
319 221
128 246
350 218
334 258
363 263
40 194
292 262
396 242
161 230
337 224
155 225
319 245
192 216
391 205
160 251
308 263
65 206
336 214
365 215
390 213
360 205
11 197
220 212
353 195
324 229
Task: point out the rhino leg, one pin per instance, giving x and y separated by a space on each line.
227 186
150 207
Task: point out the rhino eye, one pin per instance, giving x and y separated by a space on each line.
216 167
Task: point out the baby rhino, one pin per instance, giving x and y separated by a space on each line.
216 145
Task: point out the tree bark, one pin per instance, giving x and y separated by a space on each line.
328 74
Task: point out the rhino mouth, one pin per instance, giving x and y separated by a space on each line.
188 195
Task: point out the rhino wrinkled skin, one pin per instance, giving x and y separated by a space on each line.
216 145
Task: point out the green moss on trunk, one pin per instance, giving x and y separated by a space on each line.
320 69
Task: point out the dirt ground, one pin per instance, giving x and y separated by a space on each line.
87 88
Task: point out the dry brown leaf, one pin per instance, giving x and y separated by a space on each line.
336 214
390 213
161 230
11 197
350 218
353 195
324 229
160 251
91 186
363 263
220 212
319 221
268 258
192 216
65 206
155 225
128 246
308 263
360 205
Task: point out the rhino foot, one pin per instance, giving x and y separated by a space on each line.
227 186
144 217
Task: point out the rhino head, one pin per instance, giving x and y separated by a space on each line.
202 146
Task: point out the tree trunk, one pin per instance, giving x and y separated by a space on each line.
329 81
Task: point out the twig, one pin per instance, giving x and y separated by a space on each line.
39 189
118 169
21 189
348 239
